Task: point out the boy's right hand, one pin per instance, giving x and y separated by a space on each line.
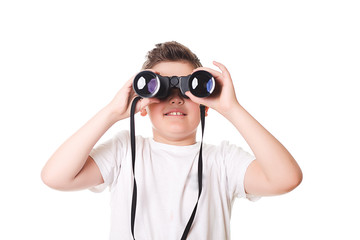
71 167
121 103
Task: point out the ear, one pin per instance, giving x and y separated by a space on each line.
206 111
143 112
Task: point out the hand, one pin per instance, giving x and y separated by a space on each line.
121 103
224 98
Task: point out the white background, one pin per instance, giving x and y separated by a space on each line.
295 66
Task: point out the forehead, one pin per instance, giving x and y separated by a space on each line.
174 68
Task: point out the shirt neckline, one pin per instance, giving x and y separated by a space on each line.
166 146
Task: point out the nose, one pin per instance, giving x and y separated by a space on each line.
175 97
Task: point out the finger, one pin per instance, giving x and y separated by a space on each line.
216 74
223 69
143 103
152 70
128 85
194 98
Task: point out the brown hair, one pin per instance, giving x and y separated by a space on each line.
170 51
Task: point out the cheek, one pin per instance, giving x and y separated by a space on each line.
194 108
195 117
152 109
154 113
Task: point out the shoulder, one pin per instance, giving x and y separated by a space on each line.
227 154
120 140
123 140
123 137
225 148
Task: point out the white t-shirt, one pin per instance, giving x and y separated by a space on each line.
167 187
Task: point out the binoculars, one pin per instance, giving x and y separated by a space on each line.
148 84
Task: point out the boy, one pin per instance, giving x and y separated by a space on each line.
166 169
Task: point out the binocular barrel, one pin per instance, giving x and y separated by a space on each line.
148 84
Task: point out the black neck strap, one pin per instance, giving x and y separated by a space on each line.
133 147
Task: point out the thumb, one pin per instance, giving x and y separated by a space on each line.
194 98
145 102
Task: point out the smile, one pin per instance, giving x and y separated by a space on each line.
175 114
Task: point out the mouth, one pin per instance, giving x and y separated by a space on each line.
175 113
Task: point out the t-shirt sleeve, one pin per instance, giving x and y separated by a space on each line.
237 162
108 157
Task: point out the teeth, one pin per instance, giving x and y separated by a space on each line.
175 114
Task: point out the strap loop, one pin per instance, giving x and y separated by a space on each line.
133 153
133 148
200 170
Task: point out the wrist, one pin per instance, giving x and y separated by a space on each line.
110 114
229 110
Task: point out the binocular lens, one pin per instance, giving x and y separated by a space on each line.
202 84
147 84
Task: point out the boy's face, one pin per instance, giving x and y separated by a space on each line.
175 119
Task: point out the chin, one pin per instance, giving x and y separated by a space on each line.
178 134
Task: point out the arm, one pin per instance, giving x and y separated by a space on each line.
71 167
274 171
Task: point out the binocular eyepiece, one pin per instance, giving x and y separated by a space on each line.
148 84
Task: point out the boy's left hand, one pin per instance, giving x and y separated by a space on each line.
224 98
